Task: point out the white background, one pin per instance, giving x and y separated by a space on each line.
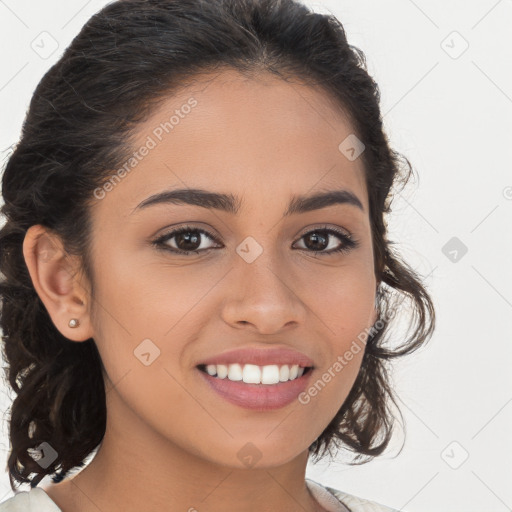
450 113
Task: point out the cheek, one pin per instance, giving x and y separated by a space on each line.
344 309
140 292
344 299
143 308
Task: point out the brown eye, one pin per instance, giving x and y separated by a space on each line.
187 239
318 240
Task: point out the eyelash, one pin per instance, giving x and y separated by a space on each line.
349 242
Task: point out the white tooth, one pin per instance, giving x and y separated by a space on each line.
284 373
235 372
222 371
251 374
270 374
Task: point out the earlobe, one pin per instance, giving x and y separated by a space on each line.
54 274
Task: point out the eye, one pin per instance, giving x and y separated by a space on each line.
318 240
187 239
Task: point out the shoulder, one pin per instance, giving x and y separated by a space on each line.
358 504
34 500
352 503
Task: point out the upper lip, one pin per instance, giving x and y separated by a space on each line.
260 357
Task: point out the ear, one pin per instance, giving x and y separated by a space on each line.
55 276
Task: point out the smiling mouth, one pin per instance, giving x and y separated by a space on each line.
302 371
276 391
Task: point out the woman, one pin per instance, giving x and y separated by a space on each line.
198 284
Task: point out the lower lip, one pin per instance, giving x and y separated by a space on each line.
259 397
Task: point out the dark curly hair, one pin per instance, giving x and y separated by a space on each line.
128 58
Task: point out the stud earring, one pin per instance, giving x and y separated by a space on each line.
74 322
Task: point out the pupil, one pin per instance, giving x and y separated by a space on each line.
189 239
315 238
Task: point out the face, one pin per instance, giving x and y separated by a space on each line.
254 278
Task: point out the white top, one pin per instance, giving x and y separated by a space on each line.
36 500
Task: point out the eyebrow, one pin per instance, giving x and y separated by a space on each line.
231 204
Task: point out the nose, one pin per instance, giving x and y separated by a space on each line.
261 295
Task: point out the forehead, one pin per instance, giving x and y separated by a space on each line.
227 132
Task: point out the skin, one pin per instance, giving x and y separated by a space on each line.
171 443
